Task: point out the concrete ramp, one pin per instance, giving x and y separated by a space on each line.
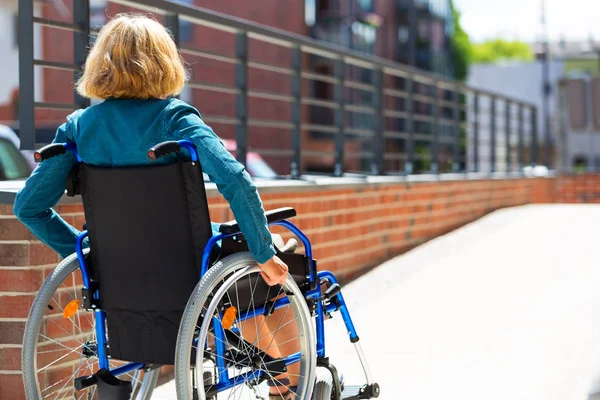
505 308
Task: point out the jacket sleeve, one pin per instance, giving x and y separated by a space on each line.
231 178
42 190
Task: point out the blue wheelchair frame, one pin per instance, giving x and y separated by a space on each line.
314 278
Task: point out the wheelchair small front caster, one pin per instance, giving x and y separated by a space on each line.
369 391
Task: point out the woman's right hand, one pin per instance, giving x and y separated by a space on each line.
274 271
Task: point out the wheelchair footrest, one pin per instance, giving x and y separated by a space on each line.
360 392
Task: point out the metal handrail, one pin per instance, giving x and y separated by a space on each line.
439 115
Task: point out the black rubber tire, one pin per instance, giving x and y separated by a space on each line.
323 389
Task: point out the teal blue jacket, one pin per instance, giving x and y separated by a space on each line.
118 133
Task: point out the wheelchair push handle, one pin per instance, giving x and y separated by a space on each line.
52 150
171 147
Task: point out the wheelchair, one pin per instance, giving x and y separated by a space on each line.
156 288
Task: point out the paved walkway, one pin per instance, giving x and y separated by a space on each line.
505 308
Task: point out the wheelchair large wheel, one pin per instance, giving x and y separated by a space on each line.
59 345
245 356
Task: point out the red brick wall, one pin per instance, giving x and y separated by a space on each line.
578 189
352 228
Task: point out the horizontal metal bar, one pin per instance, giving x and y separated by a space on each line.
359 62
423 118
320 77
359 132
271 152
447 103
213 87
321 128
58 24
57 65
210 55
447 139
55 106
270 124
450 86
423 98
320 103
270 68
215 119
358 85
357 108
360 154
396 72
317 51
394 156
270 95
447 121
316 153
395 93
270 39
396 135
395 114
426 79
424 137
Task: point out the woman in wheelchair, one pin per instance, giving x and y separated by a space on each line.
139 302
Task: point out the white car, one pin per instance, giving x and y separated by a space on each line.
14 164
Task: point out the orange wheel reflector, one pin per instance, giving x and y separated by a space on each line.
229 317
71 308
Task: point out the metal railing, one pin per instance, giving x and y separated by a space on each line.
338 111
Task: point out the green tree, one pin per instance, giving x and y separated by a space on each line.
461 47
492 51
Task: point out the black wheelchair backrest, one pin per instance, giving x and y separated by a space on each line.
148 227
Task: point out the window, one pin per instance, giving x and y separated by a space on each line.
186 28
12 163
97 13
310 12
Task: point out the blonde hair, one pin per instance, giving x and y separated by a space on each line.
134 57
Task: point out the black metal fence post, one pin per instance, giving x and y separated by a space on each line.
534 136
521 151
493 134
410 127
81 18
26 75
378 105
241 98
435 129
457 129
340 116
507 122
296 108
476 132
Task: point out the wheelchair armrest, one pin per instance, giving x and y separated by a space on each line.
272 216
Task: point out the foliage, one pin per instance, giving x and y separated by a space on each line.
492 51
461 47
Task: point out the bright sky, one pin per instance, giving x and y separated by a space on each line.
520 19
